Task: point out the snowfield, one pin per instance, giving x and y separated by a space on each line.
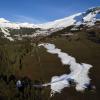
79 72
7 34
61 23
87 18
91 15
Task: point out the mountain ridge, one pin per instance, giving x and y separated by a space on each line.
88 18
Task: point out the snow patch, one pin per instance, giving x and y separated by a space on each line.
7 34
79 72
27 25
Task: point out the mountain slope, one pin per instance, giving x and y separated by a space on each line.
90 15
65 22
88 18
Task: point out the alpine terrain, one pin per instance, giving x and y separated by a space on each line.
57 60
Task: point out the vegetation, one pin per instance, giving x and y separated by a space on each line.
25 61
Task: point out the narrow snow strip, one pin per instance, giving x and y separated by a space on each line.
7 34
79 72
5 31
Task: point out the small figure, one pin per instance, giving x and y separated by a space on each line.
19 84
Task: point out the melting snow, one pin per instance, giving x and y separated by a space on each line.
7 34
79 72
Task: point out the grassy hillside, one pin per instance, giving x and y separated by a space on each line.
24 59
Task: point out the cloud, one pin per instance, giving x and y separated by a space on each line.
21 18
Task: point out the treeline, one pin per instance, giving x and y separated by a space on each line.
23 31
11 59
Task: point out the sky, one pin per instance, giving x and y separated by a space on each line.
40 11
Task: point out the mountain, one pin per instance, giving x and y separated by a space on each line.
88 18
58 53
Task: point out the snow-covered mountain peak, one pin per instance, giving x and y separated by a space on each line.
27 25
93 9
91 15
8 24
3 20
61 23
87 18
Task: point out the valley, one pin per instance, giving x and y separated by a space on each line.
29 66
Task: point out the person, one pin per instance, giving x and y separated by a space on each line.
19 84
